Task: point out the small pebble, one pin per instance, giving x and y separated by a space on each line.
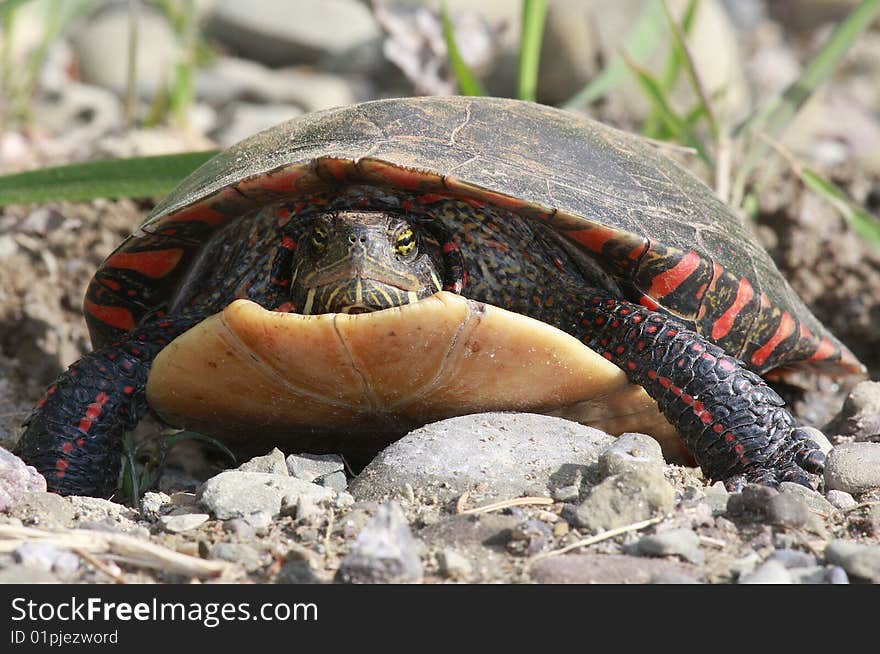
769 572
47 557
240 527
453 565
787 510
180 523
840 499
752 502
314 467
384 552
793 558
567 493
272 463
152 505
674 542
236 553
630 452
853 467
858 560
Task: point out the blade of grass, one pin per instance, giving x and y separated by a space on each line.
685 58
675 123
641 41
171 440
534 15
653 125
860 220
468 84
776 116
140 177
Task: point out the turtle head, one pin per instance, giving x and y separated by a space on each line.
362 261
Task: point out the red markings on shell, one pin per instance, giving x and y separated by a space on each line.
744 294
118 317
785 329
666 282
150 263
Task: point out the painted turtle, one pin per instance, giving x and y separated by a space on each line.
417 204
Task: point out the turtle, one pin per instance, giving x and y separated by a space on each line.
324 253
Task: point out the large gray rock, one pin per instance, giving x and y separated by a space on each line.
853 467
16 479
490 454
385 551
234 494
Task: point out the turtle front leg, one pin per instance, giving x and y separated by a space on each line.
74 434
736 426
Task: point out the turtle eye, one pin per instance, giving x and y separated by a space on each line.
405 242
319 237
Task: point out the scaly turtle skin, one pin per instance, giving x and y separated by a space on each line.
509 203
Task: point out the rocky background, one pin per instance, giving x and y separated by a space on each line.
486 498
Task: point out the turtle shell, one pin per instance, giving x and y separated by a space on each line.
608 192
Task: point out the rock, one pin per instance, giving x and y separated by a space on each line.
321 32
769 572
236 553
44 510
860 414
48 557
239 527
453 565
228 80
815 501
152 505
186 522
752 503
16 479
853 467
235 494
606 569
460 531
97 508
624 499
100 44
787 510
840 499
272 463
297 571
675 542
242 119
569 493
493 455
529 537
793 558
384 552
716 496
857 559
631 452
317 468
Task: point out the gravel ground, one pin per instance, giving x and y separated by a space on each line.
514 498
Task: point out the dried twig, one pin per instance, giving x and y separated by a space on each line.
605 535
503 504
141 553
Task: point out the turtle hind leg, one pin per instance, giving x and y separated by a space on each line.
736 426
73 436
